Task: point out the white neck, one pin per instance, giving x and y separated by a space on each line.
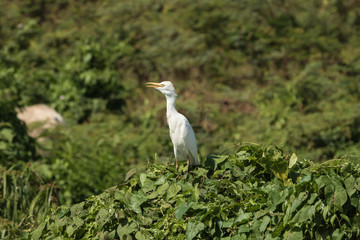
170 105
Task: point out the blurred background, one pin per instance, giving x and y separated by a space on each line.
278 72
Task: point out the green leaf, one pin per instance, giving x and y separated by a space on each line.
161 180
244 229
244 217
74 225
193 228
325 212
7 134
136 200
337 235
293 160
213 161
340 196
77 208
142 178
129 174
298 201
126 230
350 185
264 223
182 209
38 231
140 236
346 218
173 190
152 195
103 216
148 185
332 219
322 181
162 189
302 215
294 234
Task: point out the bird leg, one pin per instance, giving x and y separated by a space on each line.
188 165
177 165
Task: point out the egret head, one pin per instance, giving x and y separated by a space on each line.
166 87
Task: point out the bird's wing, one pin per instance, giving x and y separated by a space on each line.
190 143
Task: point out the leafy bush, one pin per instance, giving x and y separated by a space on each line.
15 144
255 193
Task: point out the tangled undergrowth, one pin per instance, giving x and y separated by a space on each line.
257 192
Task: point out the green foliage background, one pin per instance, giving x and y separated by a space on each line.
273 72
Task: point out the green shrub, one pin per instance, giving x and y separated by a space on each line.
256 192
15 144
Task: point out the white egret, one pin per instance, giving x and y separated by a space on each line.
181 133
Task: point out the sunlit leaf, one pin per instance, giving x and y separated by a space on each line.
193 228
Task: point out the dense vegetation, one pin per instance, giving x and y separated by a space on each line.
276 72
256 193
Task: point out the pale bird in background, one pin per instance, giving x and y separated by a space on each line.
40 114
181 133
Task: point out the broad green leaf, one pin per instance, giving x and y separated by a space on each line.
294 234
193 228
74 225
305 179
104 216
161 180
298 201
264 223
136 200
313 197
182 209
129 174
173 190
243 217
126 230
70 230
357 184
142 178
212 161
152 195
293 160
337 235
355 201
329 191
322 181
340 196
243 229
162 189
75 209
302 215
287 215
38 231
7 134
148 186
140 236
312 211
350 185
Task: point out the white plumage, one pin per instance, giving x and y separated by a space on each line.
181 133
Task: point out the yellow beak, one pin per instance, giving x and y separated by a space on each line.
154 85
